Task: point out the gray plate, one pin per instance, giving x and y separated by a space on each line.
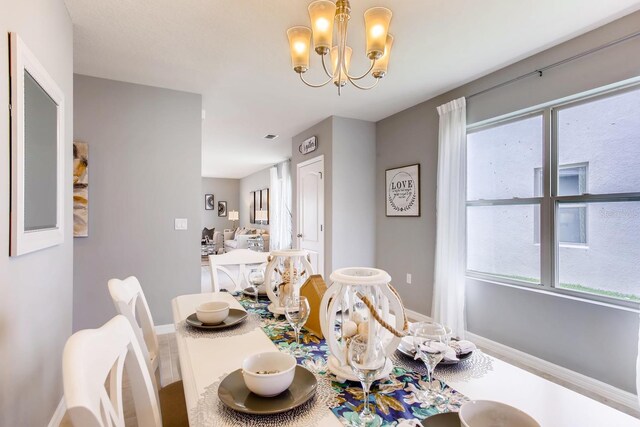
249 292
411 355
449 419
234 393
235 316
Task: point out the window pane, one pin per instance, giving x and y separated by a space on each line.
604 133
500 159
499 241
610 264
572 224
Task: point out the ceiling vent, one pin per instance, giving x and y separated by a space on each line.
270 136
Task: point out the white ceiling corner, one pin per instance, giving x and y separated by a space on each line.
235 54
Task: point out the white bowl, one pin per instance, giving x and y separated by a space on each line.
486 413
268 385
212 313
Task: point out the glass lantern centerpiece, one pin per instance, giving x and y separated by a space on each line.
286 272
344 314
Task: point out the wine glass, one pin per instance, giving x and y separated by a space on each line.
256 278
430 342
296 310
367 358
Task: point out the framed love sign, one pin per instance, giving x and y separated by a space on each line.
402 193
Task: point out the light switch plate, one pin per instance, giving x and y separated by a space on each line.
180 224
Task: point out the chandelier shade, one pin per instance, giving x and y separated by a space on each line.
327 16
299 42
380 68
377 20
322 14
335 57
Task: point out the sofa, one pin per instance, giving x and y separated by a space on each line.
239 238
211 242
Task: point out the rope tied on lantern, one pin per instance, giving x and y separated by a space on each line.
380 320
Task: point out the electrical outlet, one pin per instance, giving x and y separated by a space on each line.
408 278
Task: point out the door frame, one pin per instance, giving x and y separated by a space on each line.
322 251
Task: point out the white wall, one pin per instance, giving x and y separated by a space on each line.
36 288
223 189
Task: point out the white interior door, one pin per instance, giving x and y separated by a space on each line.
310 221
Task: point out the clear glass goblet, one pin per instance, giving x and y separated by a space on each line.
256 278
367 358
430 341
296 310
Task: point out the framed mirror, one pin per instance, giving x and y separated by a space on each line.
37 154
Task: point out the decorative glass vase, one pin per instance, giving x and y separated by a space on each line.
286 272
344 314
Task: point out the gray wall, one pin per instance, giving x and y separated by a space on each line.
223 189
353 193
144 171
324 132
36 288
257 181
348 146
557 329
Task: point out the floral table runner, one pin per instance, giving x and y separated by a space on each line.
394 400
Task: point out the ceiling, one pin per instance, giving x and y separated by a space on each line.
235 54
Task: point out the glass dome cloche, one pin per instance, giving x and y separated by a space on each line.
344 314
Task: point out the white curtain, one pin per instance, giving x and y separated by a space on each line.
449 277
638 370
280 207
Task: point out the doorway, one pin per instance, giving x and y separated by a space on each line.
310 221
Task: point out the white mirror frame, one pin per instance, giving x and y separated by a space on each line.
22 241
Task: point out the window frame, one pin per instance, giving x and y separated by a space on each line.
550 201
538 175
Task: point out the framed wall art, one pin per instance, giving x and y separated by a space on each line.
209 203
252 207
222 208
402 191
80 189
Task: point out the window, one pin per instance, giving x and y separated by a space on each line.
572 219
503 206
582 206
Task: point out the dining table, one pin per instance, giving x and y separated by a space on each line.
207 357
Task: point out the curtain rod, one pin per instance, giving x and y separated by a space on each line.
540 71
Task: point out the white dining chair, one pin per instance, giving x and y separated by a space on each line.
93 367
129 300
229 271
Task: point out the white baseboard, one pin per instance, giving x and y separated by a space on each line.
58 415
600 388
165 329
416 317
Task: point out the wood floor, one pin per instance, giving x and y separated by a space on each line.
170 372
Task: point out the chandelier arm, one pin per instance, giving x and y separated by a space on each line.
373 63
324 65
311 84
364 87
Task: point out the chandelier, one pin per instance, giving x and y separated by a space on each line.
324 14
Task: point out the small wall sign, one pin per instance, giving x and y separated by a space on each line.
403 191
309 145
